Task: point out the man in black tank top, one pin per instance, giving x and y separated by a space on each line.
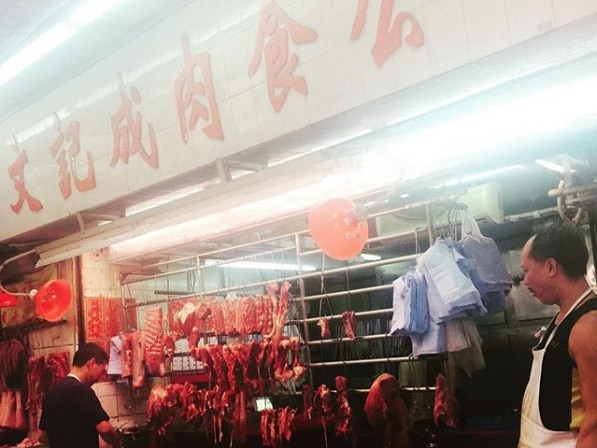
560 403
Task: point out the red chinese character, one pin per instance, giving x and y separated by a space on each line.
275 28
65 160
389 38
127 128
187 90
16 171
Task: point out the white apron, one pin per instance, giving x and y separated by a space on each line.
532 432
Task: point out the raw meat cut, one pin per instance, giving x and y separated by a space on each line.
445 406
386 411
324 326
349 321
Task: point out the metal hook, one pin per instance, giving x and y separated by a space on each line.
561 205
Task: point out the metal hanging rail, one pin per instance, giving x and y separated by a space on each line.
198 266
339 316
361 361
293 244
228 289
351 291
370 337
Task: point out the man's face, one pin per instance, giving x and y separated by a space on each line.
536 276
96 371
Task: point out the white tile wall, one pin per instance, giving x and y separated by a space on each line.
446 35
567 11
529 18
486 26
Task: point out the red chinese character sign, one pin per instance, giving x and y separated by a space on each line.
389 34
337 230
276 31
16 172
65 150
196 98
127 130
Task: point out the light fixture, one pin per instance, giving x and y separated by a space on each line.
552 166
90 11
35 50
54 37
370 257
448 142
256 205
482 175
196 214
267 266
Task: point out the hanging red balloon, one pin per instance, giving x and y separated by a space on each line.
337 230
53 300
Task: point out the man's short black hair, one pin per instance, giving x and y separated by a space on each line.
90 351
565 243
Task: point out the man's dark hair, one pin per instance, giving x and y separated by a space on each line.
565 243
90 351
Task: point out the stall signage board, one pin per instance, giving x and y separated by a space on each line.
208 83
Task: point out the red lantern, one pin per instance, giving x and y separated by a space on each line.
337 230
53 300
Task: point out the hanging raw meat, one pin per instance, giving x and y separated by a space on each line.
216 353
240 429
230 316
186 316
161 406
132 358
249 313
217 314
299 370
445 406
203 319
324 325
153 341
343 420
349 321
279 315
59 363
307 393
387 412
263 311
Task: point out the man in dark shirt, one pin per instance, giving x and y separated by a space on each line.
72 415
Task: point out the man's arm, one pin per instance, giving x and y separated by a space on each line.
108 433
583 350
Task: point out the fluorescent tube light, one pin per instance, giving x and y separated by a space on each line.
91 10
482 175
552 166
268 266
370 257
35 50
54 37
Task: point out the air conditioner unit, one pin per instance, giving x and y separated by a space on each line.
483 201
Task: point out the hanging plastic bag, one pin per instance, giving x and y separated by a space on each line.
410 308
449 291
486 267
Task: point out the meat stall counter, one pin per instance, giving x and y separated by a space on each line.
289 353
